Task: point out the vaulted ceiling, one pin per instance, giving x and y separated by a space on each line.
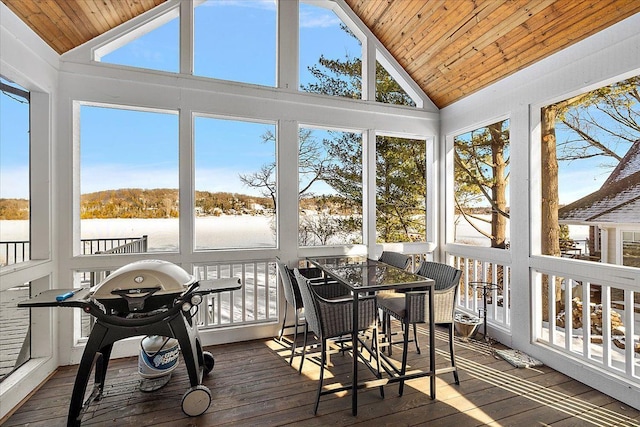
451 48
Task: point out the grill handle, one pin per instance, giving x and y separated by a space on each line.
135 296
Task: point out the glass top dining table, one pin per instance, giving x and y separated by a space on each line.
368 275
363 275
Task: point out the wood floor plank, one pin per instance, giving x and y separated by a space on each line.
252 384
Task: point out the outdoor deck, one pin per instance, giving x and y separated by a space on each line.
252 384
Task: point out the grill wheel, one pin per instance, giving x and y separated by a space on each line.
196 401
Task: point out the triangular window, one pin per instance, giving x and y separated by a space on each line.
389 90
155 46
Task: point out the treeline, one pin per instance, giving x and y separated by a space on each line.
130 203
156 203
14 209
164 203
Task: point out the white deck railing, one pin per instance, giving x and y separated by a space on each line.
592 318
256 302
484 276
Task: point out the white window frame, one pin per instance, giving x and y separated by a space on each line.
450 177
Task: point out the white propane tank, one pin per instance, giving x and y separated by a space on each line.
158 356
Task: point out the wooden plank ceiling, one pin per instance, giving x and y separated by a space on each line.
451 48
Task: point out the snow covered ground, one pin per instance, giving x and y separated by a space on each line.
225 231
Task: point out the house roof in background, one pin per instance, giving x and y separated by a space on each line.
451 48
617 201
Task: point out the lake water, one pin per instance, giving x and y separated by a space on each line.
225 231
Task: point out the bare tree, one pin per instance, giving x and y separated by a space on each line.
312 162
602 123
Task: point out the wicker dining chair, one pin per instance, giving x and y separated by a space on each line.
412 307
396 259
294 299
328 289
332 319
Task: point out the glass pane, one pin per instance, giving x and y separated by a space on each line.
388 90
14 333
481 186
236 41
330 187
594 140
128 180
330 55
235 174
401 190
14 174
157 49
631 254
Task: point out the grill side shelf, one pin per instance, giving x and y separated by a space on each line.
48 298
218 285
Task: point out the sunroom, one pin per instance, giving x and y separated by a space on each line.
224 136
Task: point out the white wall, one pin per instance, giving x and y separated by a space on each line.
29 62
609 56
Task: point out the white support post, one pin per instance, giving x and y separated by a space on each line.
368 70
287 45
186 178
287 182
369 191
186 36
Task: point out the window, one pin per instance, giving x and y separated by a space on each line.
15 239
14 335
481 186
330 187
330 54
128 180
236 41
235 173
631 248
389 90
401 189
594 140
155 46
14 174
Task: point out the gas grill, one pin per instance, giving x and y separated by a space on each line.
149 297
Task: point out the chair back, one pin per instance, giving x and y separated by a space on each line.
444 275
396 259
290 285
310 308
447 280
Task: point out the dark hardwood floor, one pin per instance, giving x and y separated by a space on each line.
253 385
